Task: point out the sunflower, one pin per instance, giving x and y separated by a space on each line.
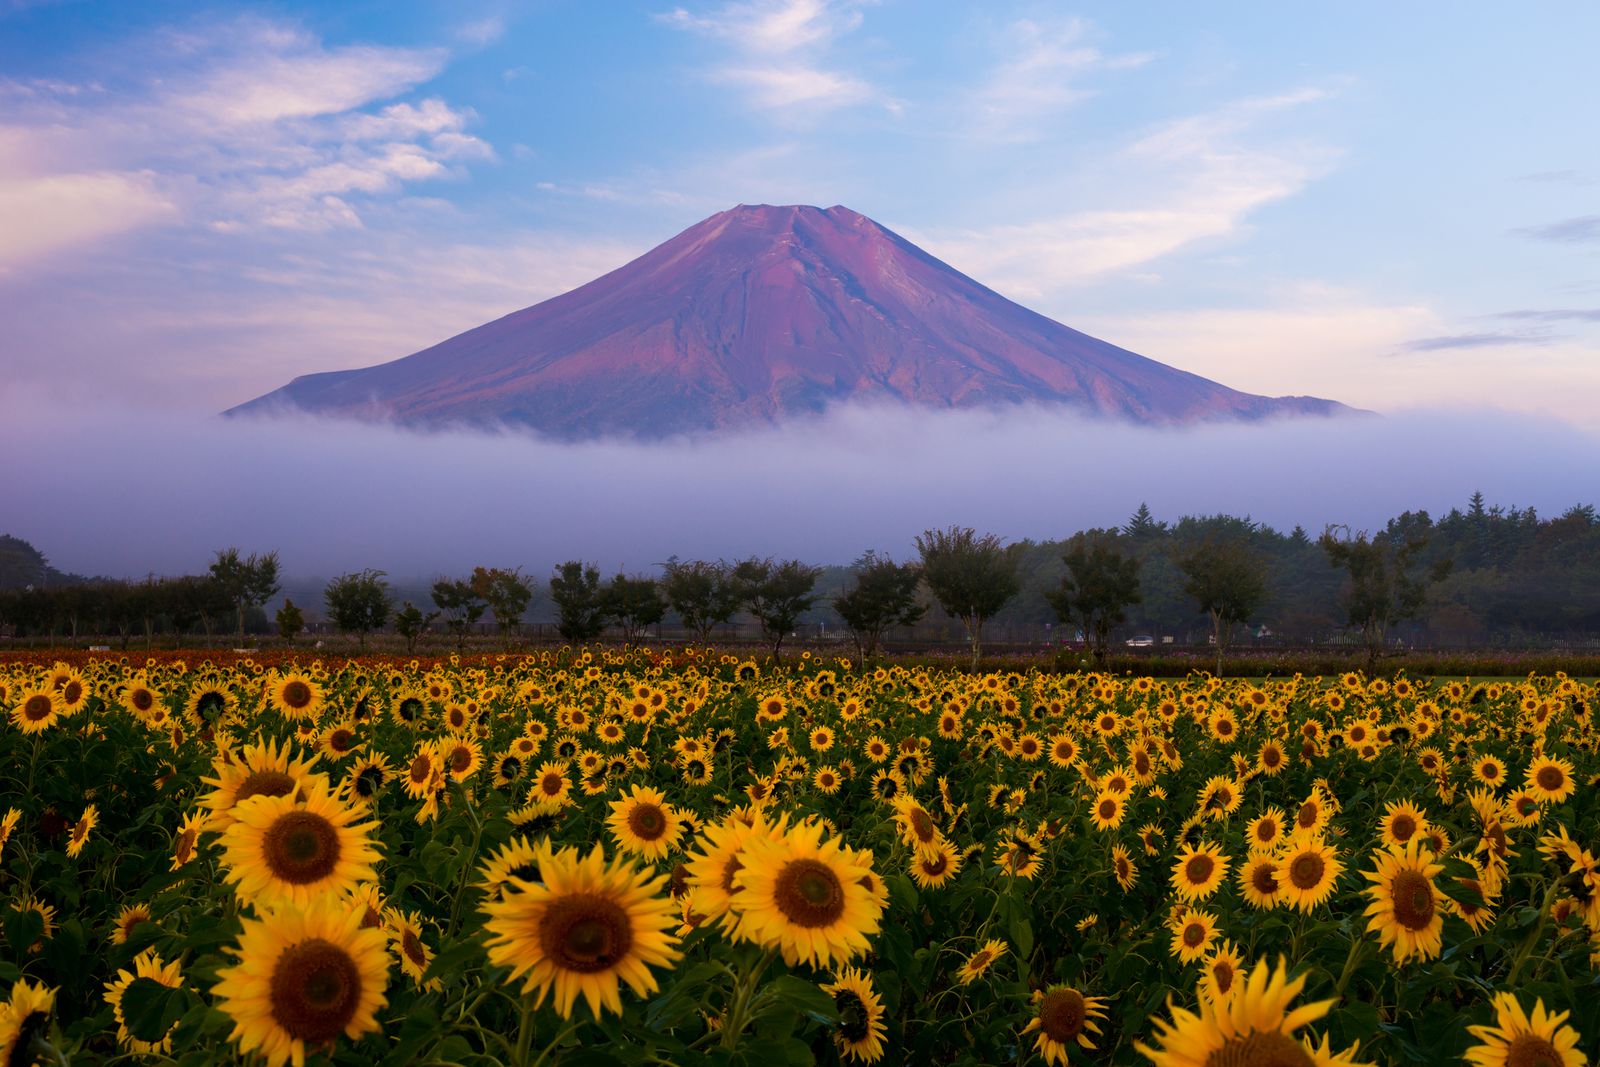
1250 1025
128 918
1108 810
1260 881
425 772
517 861
1063 1016
339 740
292 849
8 824
859 1033
147 967
1265 832
1307 870
974 966
364 782
1127 871
826 780
24 1017
644 824
405 939
36 710
1489 770
295 695
1313 814
1193 933
917 828
461 757
187 837
1405 909
933 867
80 830
1550 780
261 769
1522 1039
304 976
586 927
552 788
47 917
1199 871
1223 970
1401 821
806 896
209 705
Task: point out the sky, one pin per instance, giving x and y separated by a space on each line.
1394 206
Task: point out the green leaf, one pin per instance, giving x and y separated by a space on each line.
802 995
149 1008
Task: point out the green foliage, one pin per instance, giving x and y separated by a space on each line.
776 594
703 594
633 604
1101 582
290 620
247 581
884 595
1225 579
410 623
971 577
1385 581
506 592
358 603
575 588
461 605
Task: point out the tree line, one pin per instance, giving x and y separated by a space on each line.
1474 572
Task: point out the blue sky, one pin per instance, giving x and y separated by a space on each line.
1390 205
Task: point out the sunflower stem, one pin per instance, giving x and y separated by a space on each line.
566 1032
739 1013
472 852
1533 936
1351 961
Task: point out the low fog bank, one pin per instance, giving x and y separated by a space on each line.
123 493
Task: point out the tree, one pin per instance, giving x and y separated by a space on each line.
410 623
1226 579
1101 583
580 609
703 594
290 620
247 582
884 595
505 592
461 605
971 577
633 604
1384 582
777 594
358 603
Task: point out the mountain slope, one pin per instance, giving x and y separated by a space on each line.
757 314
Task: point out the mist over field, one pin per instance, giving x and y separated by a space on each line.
120 493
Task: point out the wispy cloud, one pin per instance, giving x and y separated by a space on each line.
780 52
1476 340
1559 177
252 124
1198 178
1040 75
1579 230
1553 314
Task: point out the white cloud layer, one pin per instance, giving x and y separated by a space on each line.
333 497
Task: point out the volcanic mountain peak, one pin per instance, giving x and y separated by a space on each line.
756 314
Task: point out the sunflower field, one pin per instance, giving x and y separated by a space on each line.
595 857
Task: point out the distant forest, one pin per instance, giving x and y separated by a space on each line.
1515 579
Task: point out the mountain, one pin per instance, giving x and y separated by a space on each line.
755 315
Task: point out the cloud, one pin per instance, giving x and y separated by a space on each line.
780 49
334 497
252 124
484 31
1039 77
1559 177
58 211
1475 340
1201 177
1580 230
1553 314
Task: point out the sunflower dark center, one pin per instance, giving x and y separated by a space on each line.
1222 974
460 759
1108 809
551 784
1194 935
1267 831
936 864
410 708
809 893
1269 1048
1062 1014
585 932
1308 814
341 740
1402 826
412 947
143 699
922 825
267 783
1306 870
647 821
1413 900
210 704
315 990
1264 879
729 869
421 769
72 691
853 1019
301 847
37 707
1550 777
1198 869
297 694
1531 1050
